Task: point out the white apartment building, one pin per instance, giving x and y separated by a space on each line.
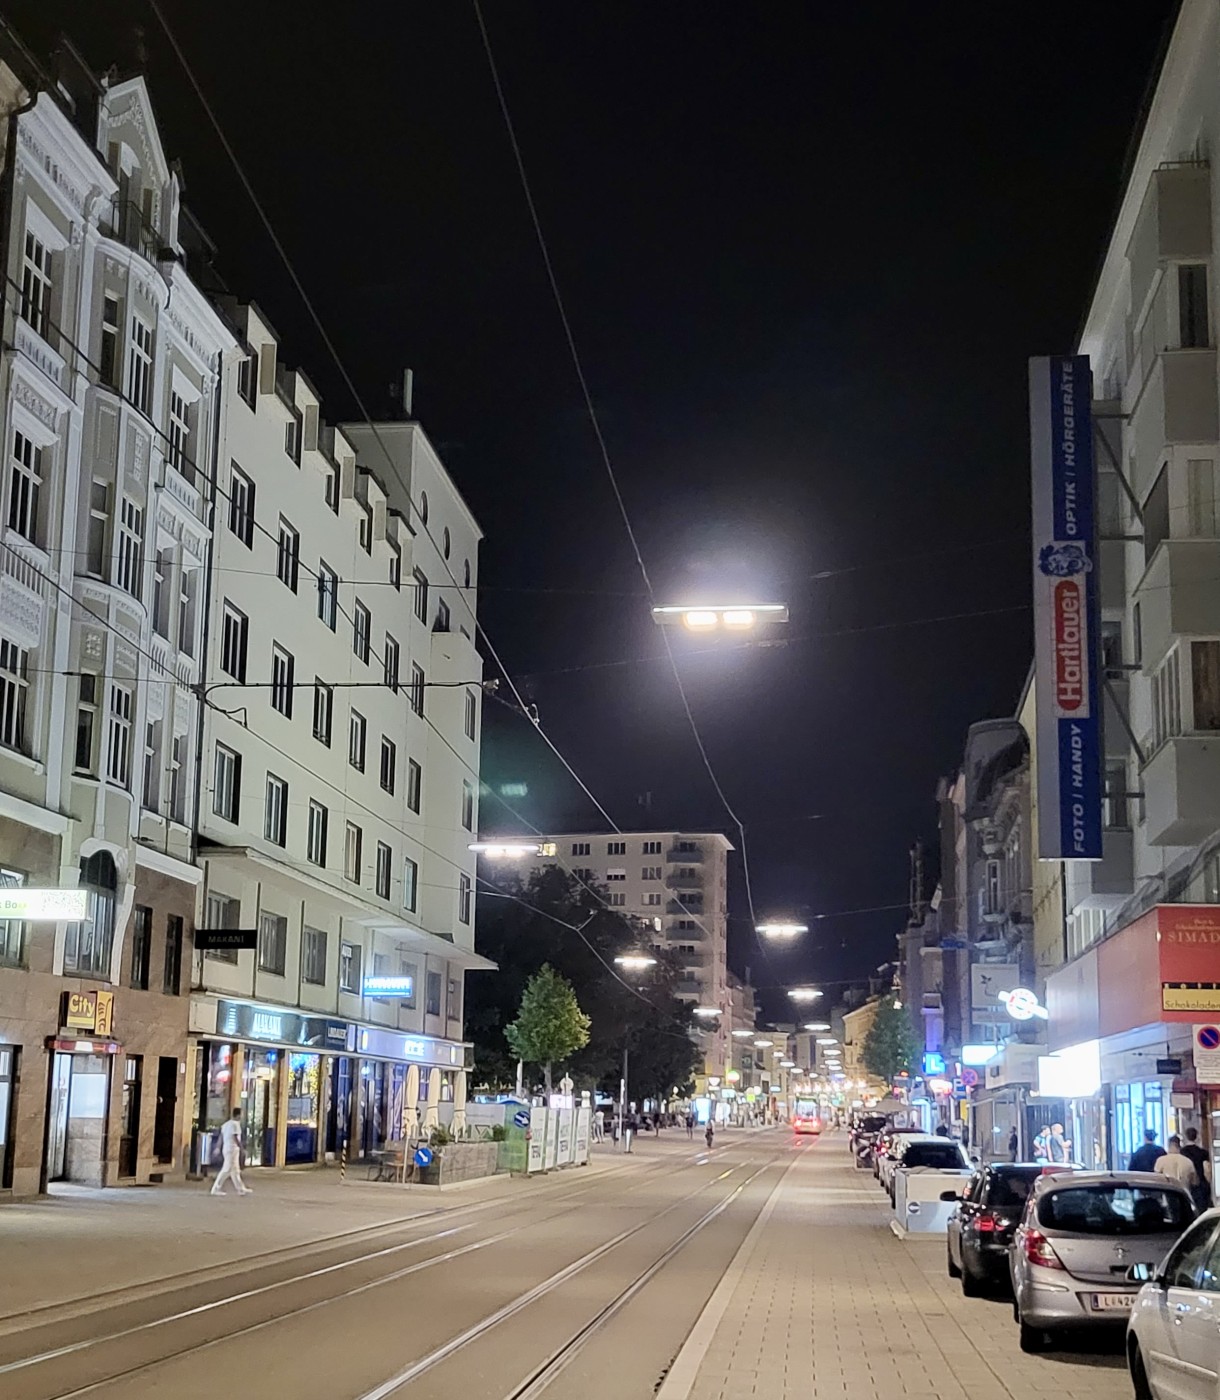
1141 966
677 881
339 776
108 393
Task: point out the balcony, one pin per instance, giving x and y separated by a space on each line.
693 881
1175 404
38 351
692 905
679 857
1182 791
1178 595
23 589
126 224
1174 222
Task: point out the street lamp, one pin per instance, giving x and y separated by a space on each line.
707 1011
512 850
743 1035
635 962
763 1044
781 930
710 617
816 1026
804 994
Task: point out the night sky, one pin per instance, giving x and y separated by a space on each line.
805 253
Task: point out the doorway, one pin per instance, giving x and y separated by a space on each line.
8 1081
129 1125
76 1118
167 1105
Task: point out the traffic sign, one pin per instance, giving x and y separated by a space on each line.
423 1157
1207 1054
970 1077
959 1089
521 1119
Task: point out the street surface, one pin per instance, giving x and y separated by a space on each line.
763 1268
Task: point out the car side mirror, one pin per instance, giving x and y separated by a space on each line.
975 1158
1143 1273
950 1196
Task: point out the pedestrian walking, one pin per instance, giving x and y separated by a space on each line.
1145 1157
230 1151
656 1126
690 1125
1178 1167
710 1134
1014 1145
1203 1168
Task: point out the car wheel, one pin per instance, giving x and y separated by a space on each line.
1034 1339
1139 1372
954 1271
972 1285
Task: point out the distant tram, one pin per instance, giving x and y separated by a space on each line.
807 1117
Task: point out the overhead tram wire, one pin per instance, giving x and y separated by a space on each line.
601 442
354 392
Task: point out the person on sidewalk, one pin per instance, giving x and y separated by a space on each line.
1176 1166
1203 1169
1014 1145
710 1135
1059 1148
690 1125
230 1148
1145 1158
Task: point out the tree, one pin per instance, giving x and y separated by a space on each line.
550 1025
889 1046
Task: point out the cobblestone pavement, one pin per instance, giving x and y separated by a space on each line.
824 1303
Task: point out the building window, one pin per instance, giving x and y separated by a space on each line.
234 637
384 856
178 778
272 943
353 853
186 609
652 898
292 440
433 1006
220 911
150 795
442 617
275 811
453 1005
241 506
396 566
1192 306
470 714
1115 804
415 784
89 944
652 848
288 555
1205 684
580 848
162 577
118 766
416 692
1156 514
389 763
463 898
247 378
466 573
616 876
410 975
616 848
172 985
226 785
356 730
141 946
617 899
315 848
85 760
349 967
420 581
650 872
1166 701
328 594
364 530
108 365
331 490
323 711
99 521
131 560
313 955
410 884
362 626
423 507
25 489
139 364
180 435
14 685
283 673
36 286
467 806
391 663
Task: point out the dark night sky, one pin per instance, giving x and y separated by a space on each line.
806 254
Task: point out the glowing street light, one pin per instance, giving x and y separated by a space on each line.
804 994
710 617
743 1035
781 930
635 962
512 850
827 1040
816 1026
707 1011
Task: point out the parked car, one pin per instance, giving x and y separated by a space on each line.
1173 1338
939 1153
981 1228
865 1125
889 1144
1081 1233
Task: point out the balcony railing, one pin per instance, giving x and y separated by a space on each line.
127 224
678 856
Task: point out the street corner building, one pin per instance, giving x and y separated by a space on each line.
240 701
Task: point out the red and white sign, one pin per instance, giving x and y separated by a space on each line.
1207 1054
1070 673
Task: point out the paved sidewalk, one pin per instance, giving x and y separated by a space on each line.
62 1250
824 1303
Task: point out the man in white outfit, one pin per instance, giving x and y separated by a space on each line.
230 1146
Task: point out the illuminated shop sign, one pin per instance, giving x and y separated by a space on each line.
71 905
403 987
243 1021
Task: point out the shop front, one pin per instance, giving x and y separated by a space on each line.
406 1083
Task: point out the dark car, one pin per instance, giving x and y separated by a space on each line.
981 1228
867 1125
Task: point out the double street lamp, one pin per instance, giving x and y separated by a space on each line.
711 617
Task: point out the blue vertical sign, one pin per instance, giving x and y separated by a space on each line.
1067 628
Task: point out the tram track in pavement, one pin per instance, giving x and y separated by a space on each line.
25 1370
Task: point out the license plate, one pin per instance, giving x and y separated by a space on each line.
1110 1302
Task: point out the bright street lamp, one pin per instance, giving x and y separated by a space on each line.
781 930
743 1035
816 1026
804 993
707 1011
512 850
827 1040
709 617
635 962
763 1044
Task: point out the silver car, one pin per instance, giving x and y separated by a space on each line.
1079 1236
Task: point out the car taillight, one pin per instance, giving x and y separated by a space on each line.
1038 1250
985 1224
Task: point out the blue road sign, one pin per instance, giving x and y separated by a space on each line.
423 1156
521 1119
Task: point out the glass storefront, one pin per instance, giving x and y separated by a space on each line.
260 1105
304 1105
374 1107
1139 1107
